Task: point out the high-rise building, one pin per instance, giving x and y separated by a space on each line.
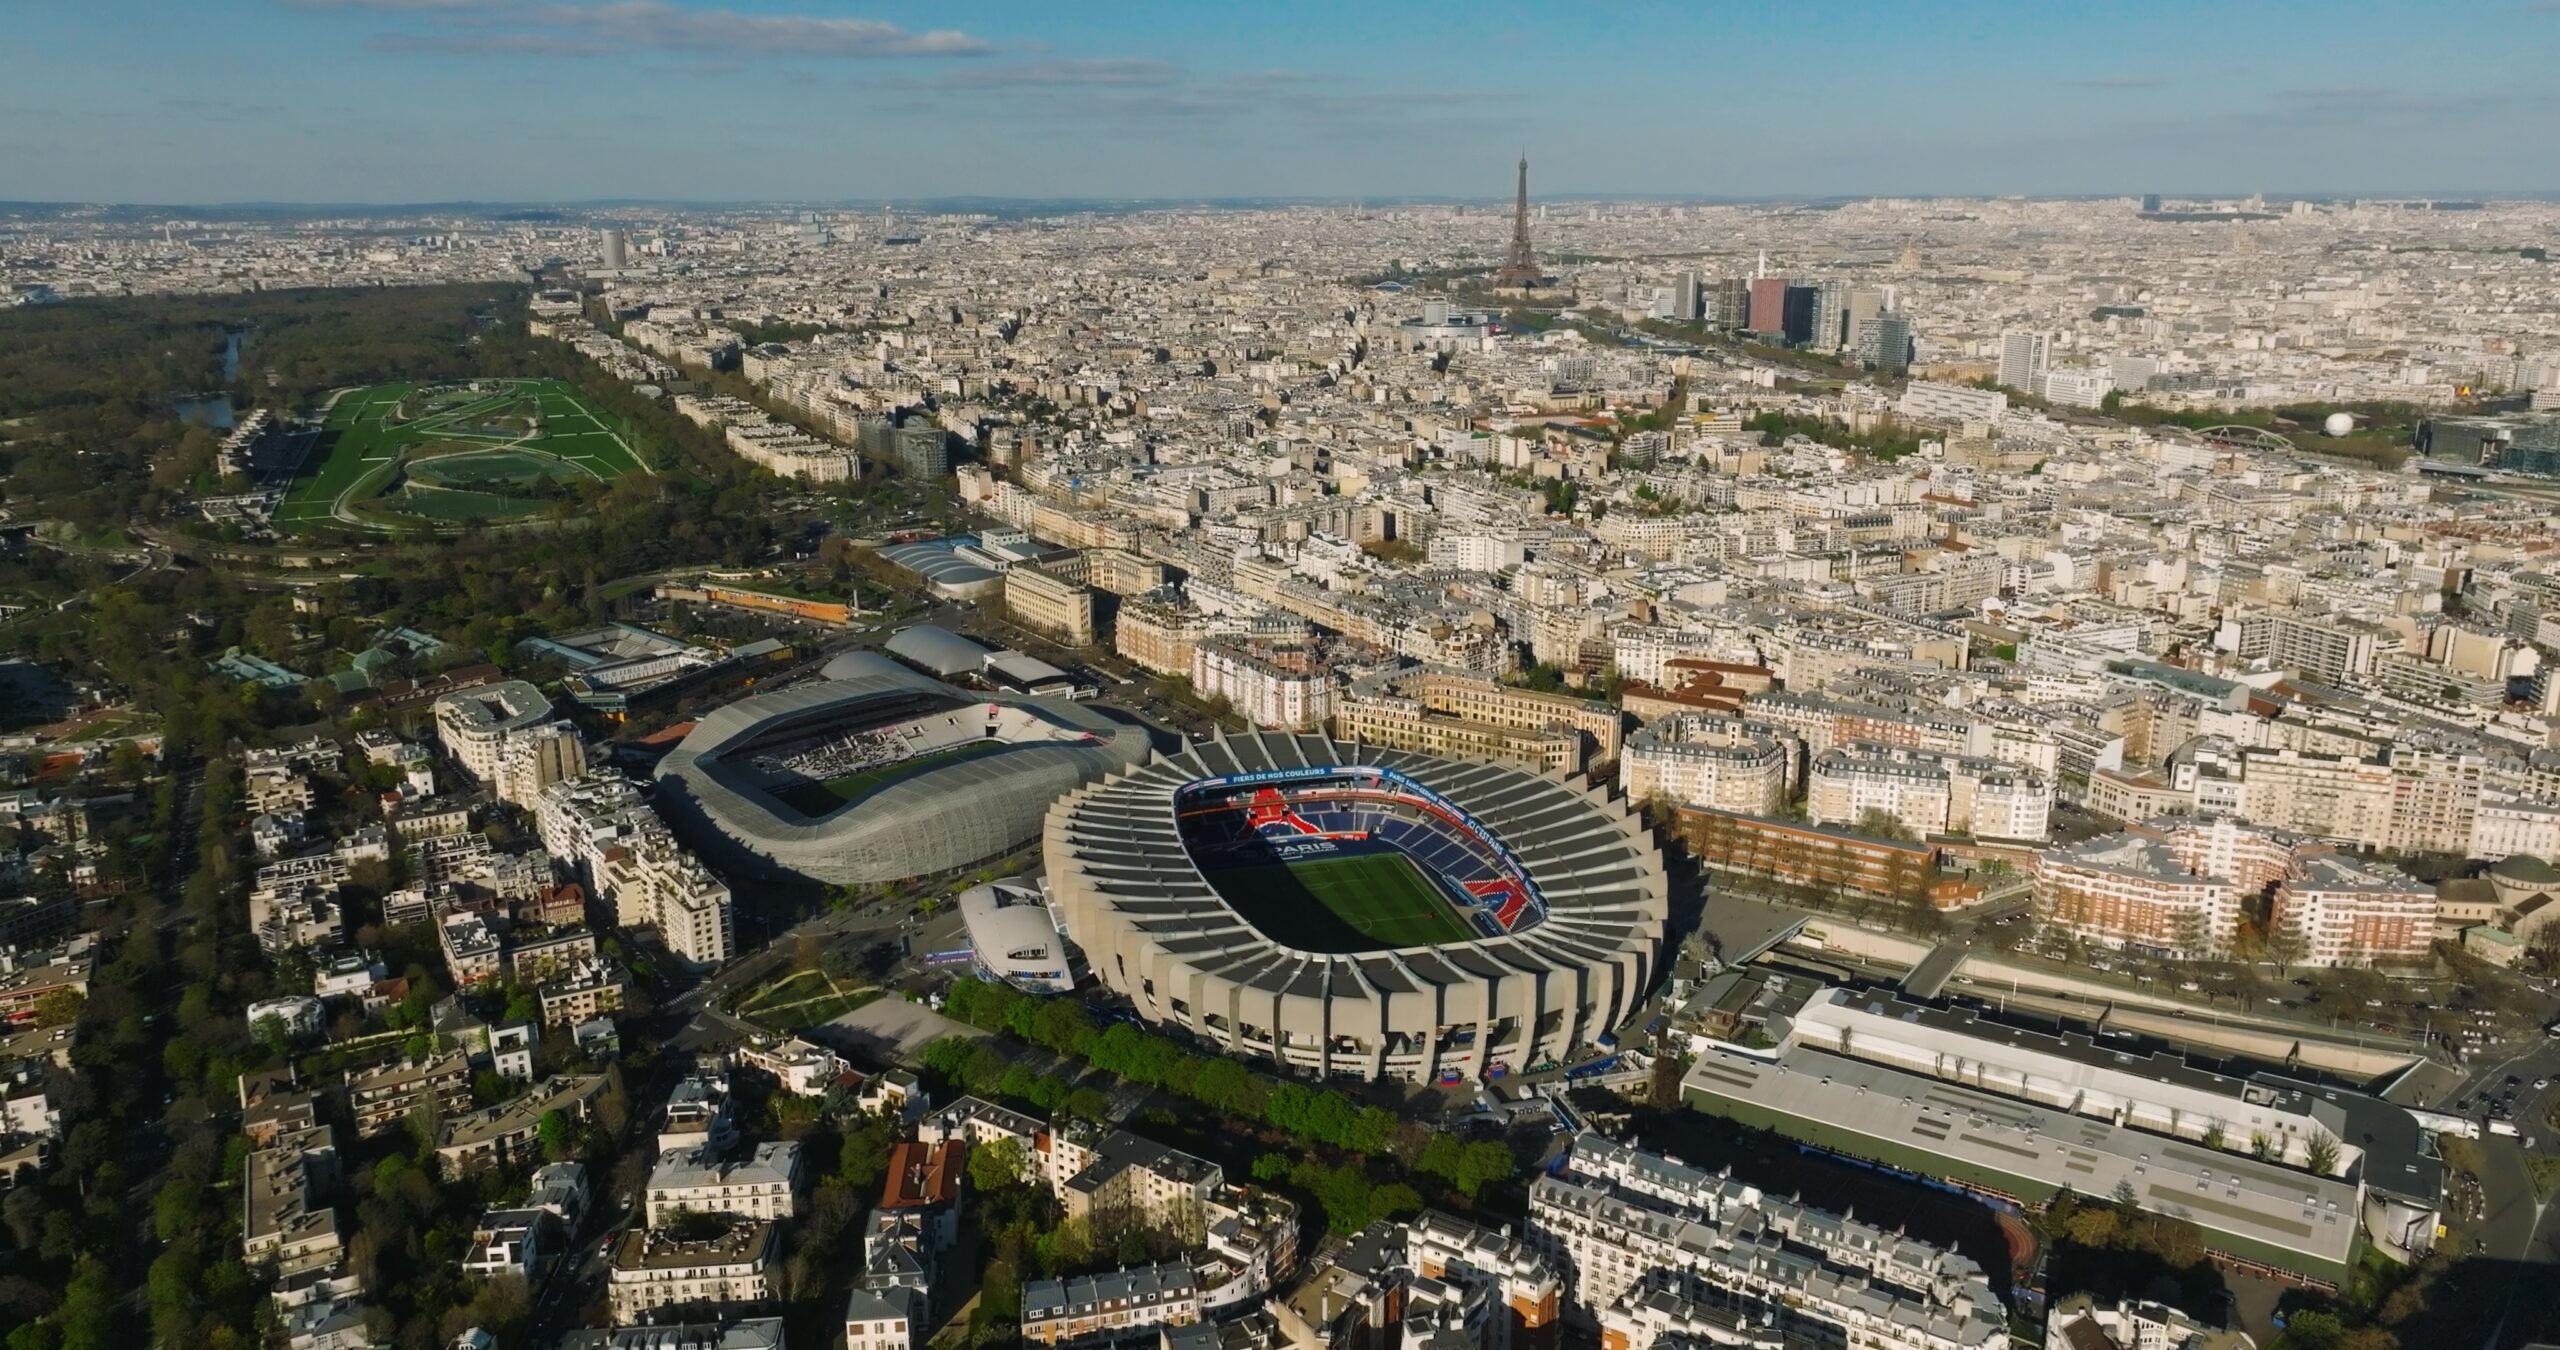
1729 305
1796 319
616 251
1862 305
1829 330
1888 346
1684 297
1768 305
2151 202
2023 357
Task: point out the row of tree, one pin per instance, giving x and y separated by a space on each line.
1308 1117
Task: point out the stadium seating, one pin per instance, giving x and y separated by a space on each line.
1443 846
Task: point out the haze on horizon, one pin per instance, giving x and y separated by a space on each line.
350 101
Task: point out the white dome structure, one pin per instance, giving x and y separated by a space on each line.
2338 424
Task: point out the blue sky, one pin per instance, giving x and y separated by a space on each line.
176 101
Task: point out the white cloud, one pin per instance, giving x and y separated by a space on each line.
615 27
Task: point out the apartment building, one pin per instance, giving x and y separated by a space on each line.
1927 793
511 1131
2505 825
2329 648
283 1214
761 1185
1457 715
1824 856
1613 1216
1823 722
1525 1281
380 1099
2128 890
747 1333
1121 572
1711 760
504 735
2175 888
656 1268
883 1320
1951 404
2330 796
2435 797
1093 1170
1102 1172
470 947
652 881
1275 686
580 993
1051 604
923 1189
2341 911
1158 636
1127 1305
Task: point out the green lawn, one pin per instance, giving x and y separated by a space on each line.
1362 903
817 799
802 1000
363 446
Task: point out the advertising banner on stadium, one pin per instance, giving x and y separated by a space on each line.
1319 772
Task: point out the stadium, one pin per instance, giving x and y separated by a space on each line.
875 773
1360 912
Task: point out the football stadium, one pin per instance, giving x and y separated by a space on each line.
1362 912
875 773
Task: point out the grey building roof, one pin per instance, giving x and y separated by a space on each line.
754 1333
944 816
2257 1210
1141 1286
937 650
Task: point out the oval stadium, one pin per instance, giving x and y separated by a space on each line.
875 773
1366 913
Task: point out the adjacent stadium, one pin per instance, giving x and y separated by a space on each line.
875 773
1361 912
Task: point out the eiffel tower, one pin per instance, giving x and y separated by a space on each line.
1521 268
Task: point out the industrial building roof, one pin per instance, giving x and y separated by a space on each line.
2262 1212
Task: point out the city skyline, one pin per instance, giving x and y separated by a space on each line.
412 101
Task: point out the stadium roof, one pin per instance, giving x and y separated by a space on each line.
938 561
1602 886
946 815
938 650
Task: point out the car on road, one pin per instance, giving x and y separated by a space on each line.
2540 1084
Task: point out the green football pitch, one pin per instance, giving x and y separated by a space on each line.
1363 903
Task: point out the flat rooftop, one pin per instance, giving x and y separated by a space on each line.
2273 1215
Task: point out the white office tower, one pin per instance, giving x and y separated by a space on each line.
617 251
2023 357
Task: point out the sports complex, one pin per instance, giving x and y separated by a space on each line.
1360 912
876 773
443 456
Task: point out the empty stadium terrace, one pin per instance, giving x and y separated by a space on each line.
1359 912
